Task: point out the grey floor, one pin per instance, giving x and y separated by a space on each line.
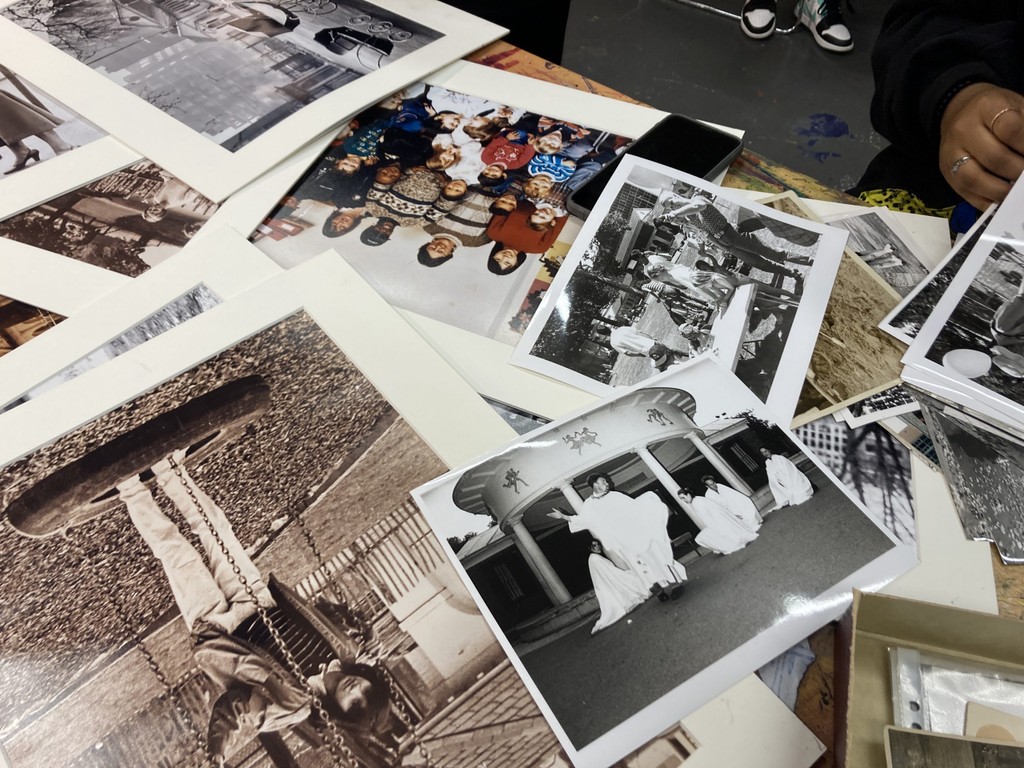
800 105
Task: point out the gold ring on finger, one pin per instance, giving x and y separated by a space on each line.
997 115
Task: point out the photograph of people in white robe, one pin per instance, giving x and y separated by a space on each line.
673 269
228 567
650 538
228 70
450 205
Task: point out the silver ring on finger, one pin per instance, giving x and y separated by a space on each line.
997 115
959 163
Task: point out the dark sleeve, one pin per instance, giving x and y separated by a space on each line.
927 50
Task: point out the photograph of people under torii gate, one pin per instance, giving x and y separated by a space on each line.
667 267
648 553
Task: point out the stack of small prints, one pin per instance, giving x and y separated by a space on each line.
965 366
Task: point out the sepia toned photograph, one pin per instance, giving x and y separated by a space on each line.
125 222
852 357
228 568
668 267
21 322
227 70
906 319
676 510
921 749
875 238
34 127
450 205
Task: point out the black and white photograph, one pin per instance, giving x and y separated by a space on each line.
34 127
872 464
139 309
244 520
450 205
185 307
669 266
980 340
894 401
984 467
906 319
21 322
126 222
876 238
227 77
229 71
851 357
905 748
674 538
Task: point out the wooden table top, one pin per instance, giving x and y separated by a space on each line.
815 702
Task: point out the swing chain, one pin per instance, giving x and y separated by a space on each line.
201 748
341 753
323 568
377 651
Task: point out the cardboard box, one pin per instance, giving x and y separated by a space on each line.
876 623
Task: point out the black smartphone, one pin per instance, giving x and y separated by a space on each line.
676 141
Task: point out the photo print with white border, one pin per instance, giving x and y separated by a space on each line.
252 428
638 558
220 92
668 266
451 205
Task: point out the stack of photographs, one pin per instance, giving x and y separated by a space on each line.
220 92
965 366
268 433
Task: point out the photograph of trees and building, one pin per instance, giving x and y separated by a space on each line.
228 70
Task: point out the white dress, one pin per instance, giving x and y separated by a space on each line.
723 533
633 531
739 505
788 484
618 591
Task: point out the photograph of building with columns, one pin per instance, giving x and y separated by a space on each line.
635 547
228 565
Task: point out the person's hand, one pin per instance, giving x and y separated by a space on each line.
984 124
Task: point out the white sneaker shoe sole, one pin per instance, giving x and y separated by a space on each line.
823 42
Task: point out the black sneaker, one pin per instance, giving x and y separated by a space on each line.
825 20
757 19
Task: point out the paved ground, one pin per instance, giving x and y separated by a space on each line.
594 682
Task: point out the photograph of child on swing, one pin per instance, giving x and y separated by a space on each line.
643 555
226 569
450 205
668 266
